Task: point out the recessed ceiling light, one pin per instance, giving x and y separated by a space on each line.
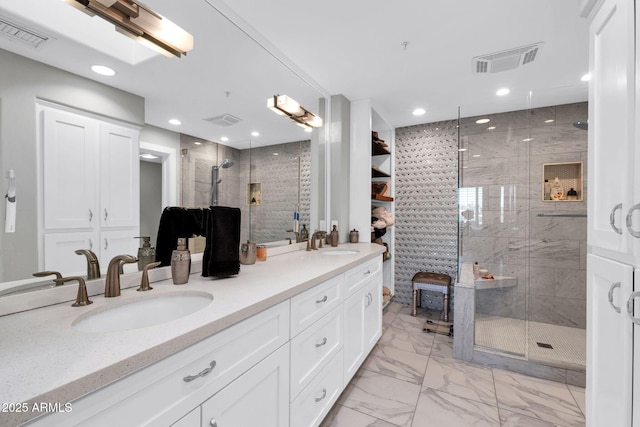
276 154
103 70
527 139
419 111
476 155
586 77
148 156
549 121
224 139
462 149
502 92
491 128
197 143
254 133
481 121
175 122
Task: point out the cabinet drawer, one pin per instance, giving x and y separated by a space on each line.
311 305
315 401
313 348
357 276
161 388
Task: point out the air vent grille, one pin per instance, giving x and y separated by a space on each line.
21 33
224 120
506 60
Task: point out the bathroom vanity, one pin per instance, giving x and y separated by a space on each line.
275 346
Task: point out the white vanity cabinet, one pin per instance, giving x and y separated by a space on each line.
90 185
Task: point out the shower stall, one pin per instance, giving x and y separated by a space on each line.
526 310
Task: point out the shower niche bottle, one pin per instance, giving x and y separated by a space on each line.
557 192
181 263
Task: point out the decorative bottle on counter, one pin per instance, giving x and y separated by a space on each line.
354 236
335 236
146 253
181 263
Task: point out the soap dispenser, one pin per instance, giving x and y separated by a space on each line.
146 253
335 236
180 263
304 233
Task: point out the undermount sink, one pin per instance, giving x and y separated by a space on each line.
339 252
143 312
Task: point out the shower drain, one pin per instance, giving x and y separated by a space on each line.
544 345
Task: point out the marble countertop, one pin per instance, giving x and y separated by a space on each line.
45 360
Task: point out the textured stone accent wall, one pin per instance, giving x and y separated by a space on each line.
426 188
503 170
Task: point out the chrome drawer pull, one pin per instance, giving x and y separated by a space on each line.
630 307
367 272
324 394
324 341
633 232
202 373
320 301
611 289
612 218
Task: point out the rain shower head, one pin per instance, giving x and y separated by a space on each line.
226 163
582 125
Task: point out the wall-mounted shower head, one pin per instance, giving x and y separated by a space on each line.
582 125
226 163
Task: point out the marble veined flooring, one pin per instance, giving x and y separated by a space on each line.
411 379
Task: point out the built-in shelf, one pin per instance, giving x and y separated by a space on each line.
381 198
376 172
569 177
377 149
496 283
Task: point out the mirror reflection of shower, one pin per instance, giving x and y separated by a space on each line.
216 180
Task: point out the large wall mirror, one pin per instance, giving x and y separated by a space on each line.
266 165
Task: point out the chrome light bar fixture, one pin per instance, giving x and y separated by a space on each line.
285 106
133 19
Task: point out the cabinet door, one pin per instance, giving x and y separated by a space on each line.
120 242
192 419
119 176
609 342
363 325
59 252
611 98
70 159
260 397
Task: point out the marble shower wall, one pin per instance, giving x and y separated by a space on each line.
282 177
501 184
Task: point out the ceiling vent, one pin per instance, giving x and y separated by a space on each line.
21 33
506 60
224 120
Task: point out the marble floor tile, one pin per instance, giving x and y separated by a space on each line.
514 419
411 340
400 364
341 416
579 395
461 379
436 408
381 397
537 398
442 346
394 307
388 317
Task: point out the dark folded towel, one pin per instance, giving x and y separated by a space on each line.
222 254
178 222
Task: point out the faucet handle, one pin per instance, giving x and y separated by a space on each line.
49 273
144 283
82 298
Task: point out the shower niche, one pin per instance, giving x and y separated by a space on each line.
562 182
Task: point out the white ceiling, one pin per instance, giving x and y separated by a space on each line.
354 48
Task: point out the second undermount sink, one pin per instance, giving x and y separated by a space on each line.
339 252
143 312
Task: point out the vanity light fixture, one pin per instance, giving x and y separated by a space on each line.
103 70
137 21
419 112
175 122
286 106
502 92
481 121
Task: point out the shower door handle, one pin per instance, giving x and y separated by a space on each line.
612 218
611 289
633 232
633 296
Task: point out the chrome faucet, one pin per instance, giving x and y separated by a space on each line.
112 282
93 266
316 235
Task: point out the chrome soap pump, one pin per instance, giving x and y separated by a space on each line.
146 253
181 263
